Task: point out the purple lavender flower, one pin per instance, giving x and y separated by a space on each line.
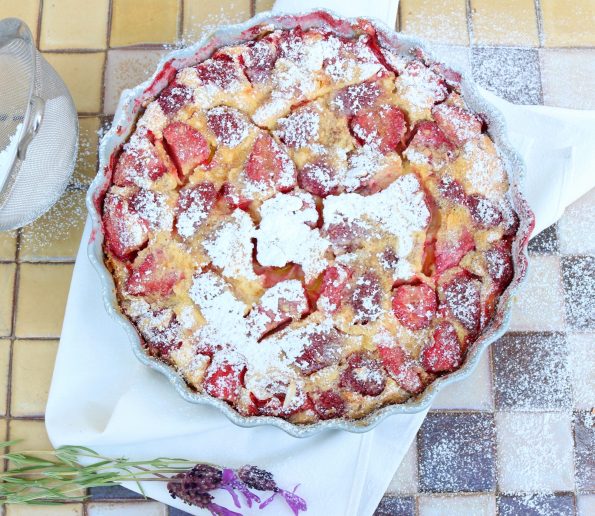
232 483
263 480
193 486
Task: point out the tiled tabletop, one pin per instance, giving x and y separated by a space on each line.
518 437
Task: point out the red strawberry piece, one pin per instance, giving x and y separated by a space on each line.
415 305
345 235
153 276
164 334
281 303
173 97
138 163
449 250
300 128
511 223
233 199
224 381
452 190
291 44
220 71
444 352
194 204
334 284
458 124
364 375
451 77
269 164
483 211
366 298
400 366
153 208
259 60
415 70
431 142
323 349
383 127
462 299
328 404
499 264
188 147
357 97
125 231
270 276
318 178
229 125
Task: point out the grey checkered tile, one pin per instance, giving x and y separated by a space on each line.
578 274
457 452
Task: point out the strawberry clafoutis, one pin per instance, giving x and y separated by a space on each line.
309 226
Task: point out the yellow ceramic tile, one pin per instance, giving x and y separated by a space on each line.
264 5
30 434
56 235
4 363
67 509
43 290
82 74
7 271
201 15
144 21
86 162
8 245
568 24
26 10
125 69
32 366
64 24
437 20
505 22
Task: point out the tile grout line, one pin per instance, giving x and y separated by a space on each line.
110 14
469 20
539 20
181 7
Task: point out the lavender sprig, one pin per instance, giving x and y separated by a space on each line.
49 477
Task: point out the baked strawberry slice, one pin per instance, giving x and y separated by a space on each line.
234 200
444 352
125 230
318 178
429 145
268 164
401 368
173 97
458 124
270 276
366 298
383 128
187 146
327 404
161 332
499 264
139 164
451 247
220 71
280 304
483 211
259 60
461 297
334 287
357 97
346 236
415 305
322 350
452 190
230 126
364 375
224 380
153 276
194 204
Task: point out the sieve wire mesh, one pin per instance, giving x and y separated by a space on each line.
30 86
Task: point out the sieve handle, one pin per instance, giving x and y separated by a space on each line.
36 109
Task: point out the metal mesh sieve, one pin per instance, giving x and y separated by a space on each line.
38 129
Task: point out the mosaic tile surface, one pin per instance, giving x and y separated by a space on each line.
515 439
